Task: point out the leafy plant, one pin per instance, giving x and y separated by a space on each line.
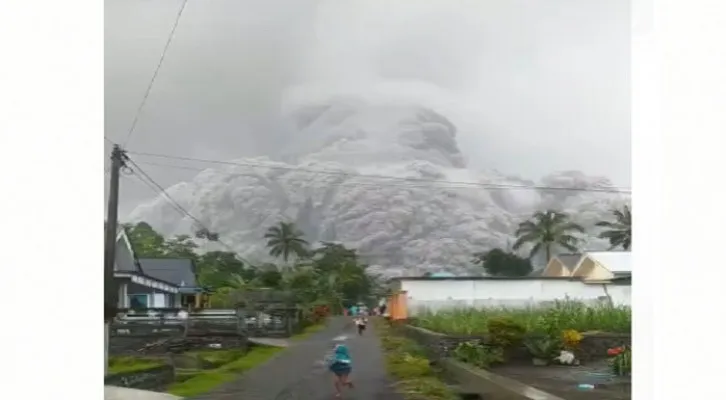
544 348
546 231
478 354
497 262
618 232
505 332
550 320
620 361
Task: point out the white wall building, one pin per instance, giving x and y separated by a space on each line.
437 293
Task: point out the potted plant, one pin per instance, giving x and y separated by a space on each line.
542 349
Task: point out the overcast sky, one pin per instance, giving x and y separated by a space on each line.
535 86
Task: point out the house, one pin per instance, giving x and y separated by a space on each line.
154 283
603 266
561 265
182 273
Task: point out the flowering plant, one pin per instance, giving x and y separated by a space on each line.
620 363
571 338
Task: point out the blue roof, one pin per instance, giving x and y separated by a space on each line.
442 275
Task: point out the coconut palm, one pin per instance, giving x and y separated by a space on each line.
618 232
547 230
285 240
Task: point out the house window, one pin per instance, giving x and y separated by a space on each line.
138 301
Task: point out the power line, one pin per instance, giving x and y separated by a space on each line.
379 177
156 72
142 176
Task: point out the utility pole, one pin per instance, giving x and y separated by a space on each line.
118 161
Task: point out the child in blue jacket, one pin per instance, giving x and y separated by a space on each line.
341 366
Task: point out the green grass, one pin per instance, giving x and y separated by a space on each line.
406 363
207 380
124 364
563 315
218 357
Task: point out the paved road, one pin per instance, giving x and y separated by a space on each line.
299 374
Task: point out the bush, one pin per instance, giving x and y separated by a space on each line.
478 354
505 332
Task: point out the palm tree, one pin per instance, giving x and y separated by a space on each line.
547 230
618 232
285 240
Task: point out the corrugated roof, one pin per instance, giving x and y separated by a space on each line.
614 261
179 271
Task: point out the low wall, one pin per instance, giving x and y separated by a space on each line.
130 345
490 385
593 346
149 379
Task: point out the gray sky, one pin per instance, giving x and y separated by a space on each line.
535 86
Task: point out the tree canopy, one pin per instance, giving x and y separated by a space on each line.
618 232
497 262
546 231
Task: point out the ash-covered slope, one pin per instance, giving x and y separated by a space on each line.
425 220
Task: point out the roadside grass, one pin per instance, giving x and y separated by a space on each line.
405 361
207 380
125 364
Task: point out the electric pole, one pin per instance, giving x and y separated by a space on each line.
118 161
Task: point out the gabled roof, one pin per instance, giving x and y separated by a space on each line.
178 271
569 260
125 257
615 261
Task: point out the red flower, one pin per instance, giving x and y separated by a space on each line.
615 351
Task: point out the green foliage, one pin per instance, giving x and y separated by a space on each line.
551 320
331 275
208 380
547 230
122 364
498 262
618 232
543 347
405 362
478 354
505 331
621 364
285 240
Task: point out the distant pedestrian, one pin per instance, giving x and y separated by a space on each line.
341 366
361 323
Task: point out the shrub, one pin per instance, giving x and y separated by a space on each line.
544 348
505 332
620 363
478 354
